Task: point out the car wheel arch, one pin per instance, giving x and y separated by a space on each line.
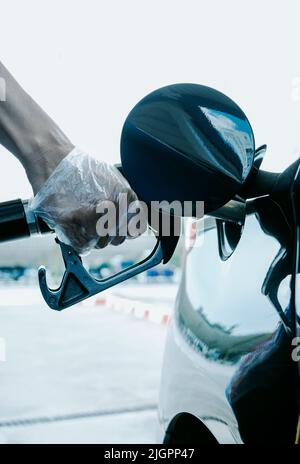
186 428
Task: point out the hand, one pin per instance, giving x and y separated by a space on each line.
29 133
88 203
71 188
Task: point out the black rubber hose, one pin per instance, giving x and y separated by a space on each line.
13 223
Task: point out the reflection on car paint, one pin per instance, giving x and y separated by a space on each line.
253 338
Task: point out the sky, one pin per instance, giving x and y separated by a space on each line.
88 62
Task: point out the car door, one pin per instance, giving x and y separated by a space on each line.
233 311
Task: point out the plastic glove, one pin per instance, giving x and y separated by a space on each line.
75 196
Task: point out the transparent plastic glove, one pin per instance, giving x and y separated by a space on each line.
78 194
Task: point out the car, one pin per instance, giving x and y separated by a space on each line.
229 374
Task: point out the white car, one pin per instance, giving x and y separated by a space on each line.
228 375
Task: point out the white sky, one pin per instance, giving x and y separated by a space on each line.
87 62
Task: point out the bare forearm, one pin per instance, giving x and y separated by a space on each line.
29 133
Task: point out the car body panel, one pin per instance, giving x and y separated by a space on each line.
227 358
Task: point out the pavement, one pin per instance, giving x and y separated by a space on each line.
86 375
153 302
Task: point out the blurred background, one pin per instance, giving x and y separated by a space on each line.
91 374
